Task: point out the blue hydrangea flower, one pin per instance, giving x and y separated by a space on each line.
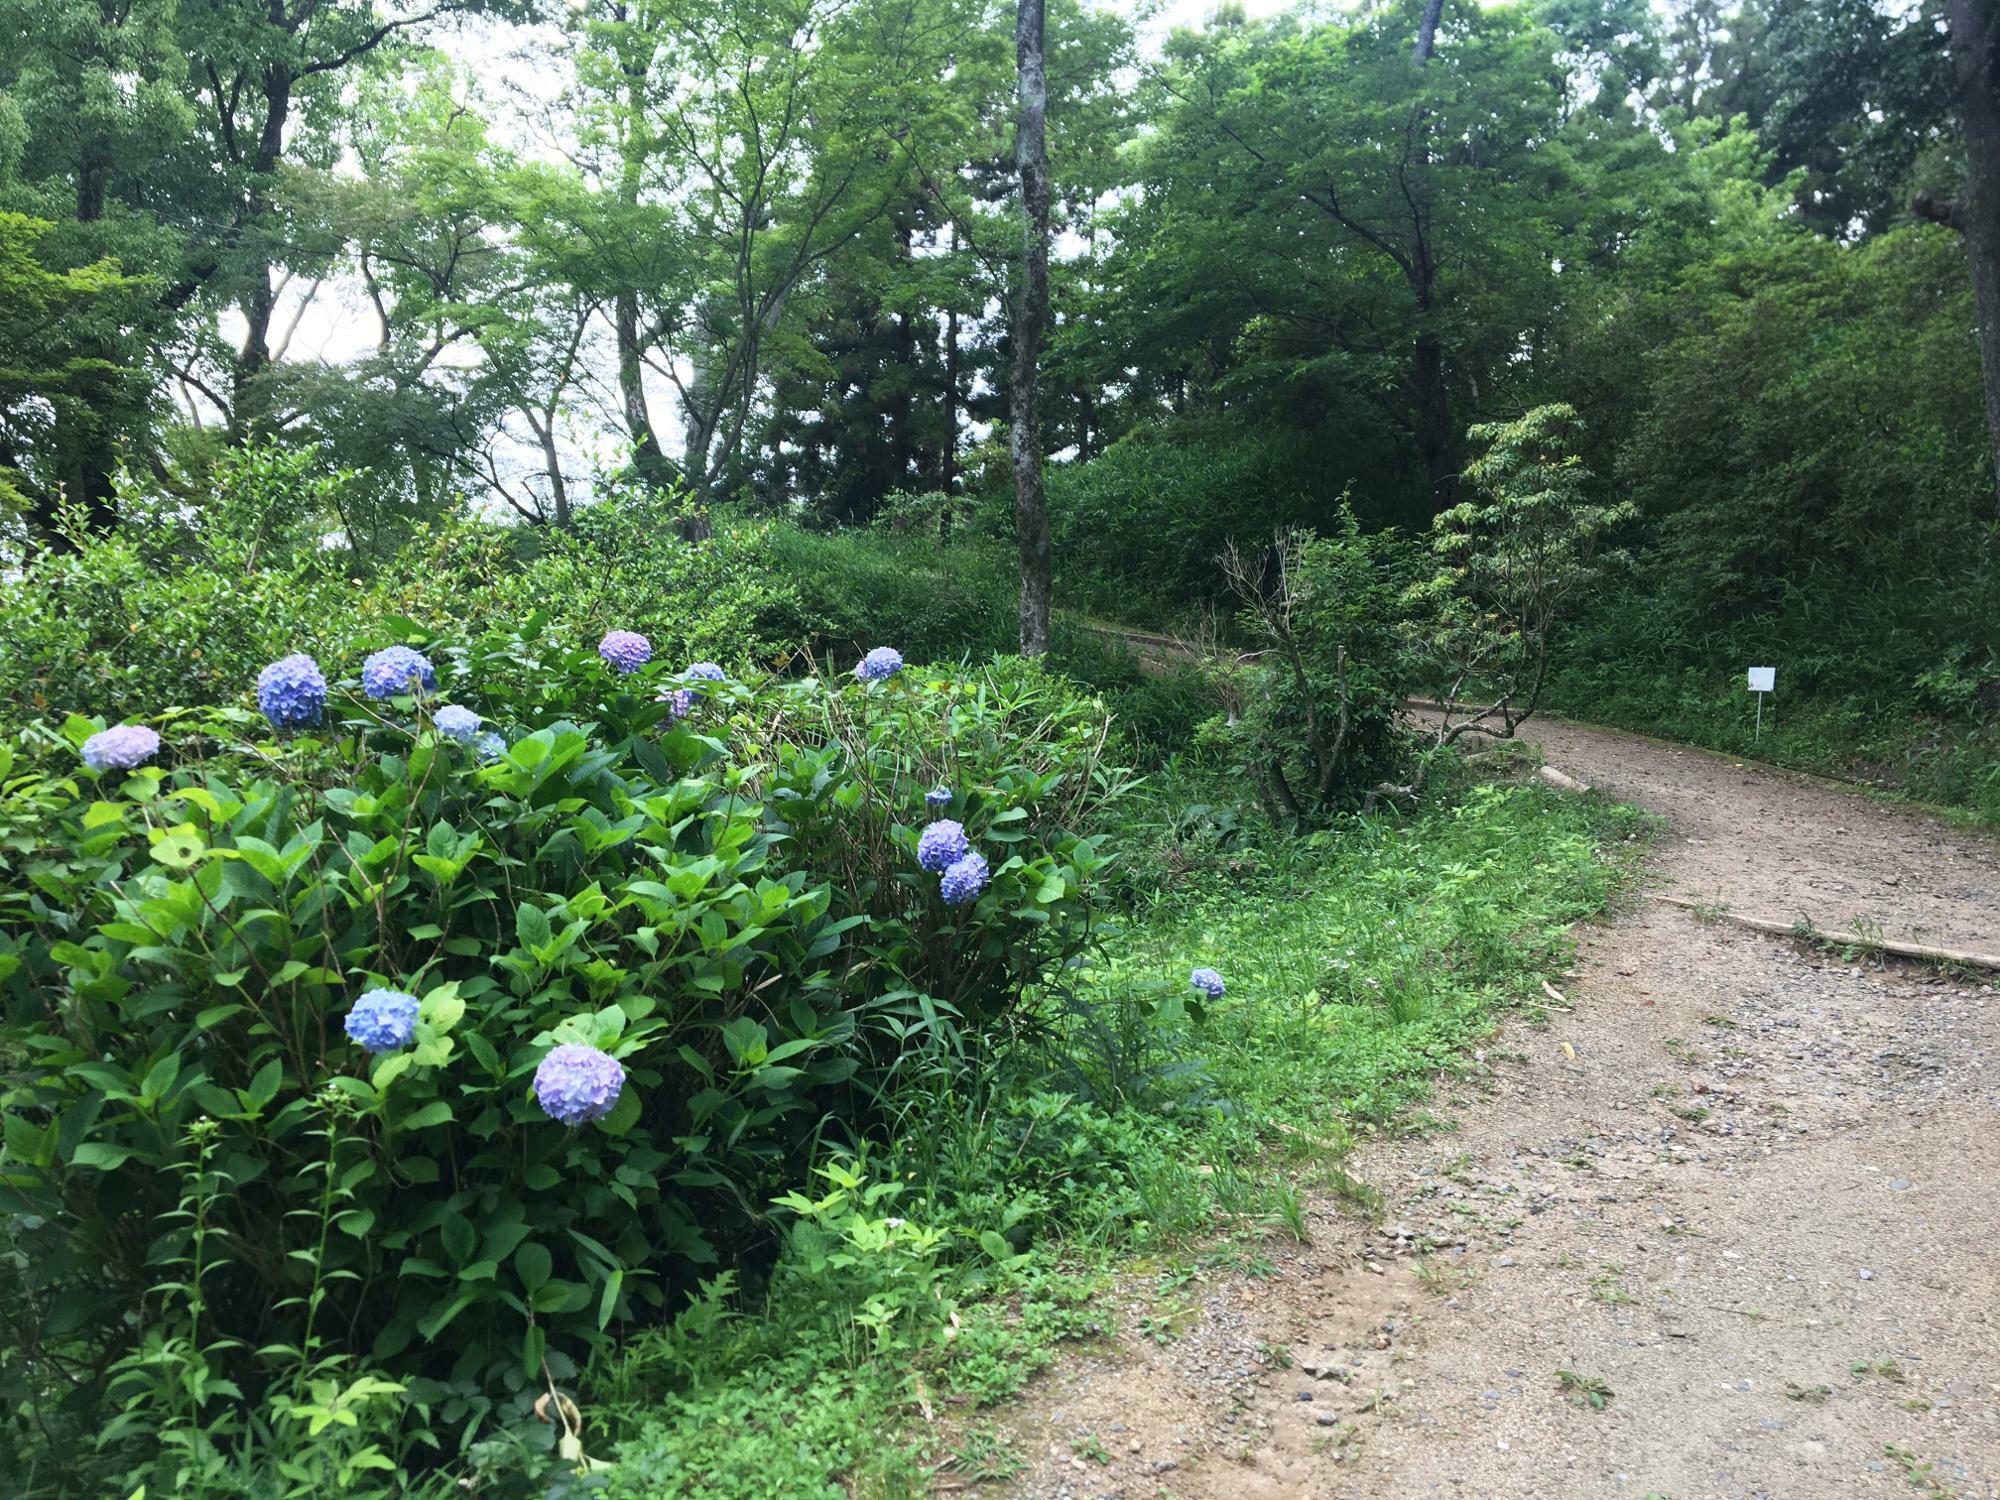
627 650
943 845
938 796
120 747
458 723
392 669
880 664
577 1084
679 701
706 671
964 880
1208 982
383 1020
292 691
489 747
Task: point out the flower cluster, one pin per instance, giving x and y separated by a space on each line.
964 880
292 692
679 701
706 671
489 747
577 1084
393 669
456 722
938 796
1208 982
383 1020
627 650
946 852
880 664
943 845
120 748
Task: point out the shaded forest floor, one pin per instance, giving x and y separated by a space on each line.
1717 1228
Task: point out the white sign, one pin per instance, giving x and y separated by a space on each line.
1763 679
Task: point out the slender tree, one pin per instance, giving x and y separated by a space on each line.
1031 316
1975 57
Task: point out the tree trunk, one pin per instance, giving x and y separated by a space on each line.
1436 441
262 300
1975 55
88 481
948 445
1427 30
1435 437
648 461
1031 313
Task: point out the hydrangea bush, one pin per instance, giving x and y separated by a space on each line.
586 996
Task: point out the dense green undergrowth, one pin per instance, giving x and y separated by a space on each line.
875 1151
1127 1120
1870 686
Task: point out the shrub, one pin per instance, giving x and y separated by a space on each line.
181 607
1333 612
729 904
1139 526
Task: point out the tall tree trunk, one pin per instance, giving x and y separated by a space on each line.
262 301
948 445
1975 55
1427 31
1031 315
649 462
1436 440
90 441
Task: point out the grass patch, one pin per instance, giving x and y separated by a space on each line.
1124 1121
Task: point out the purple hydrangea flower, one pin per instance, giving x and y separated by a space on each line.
489 747
120 747
679 701
943 845
392 669
1208 982
292 691
383 1020
964 880
880 664
457 723
706 671
577 1084
938 796
627 650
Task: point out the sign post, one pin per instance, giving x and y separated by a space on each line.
1762 681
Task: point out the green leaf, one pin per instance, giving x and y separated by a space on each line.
437 1112
101 1155
264 1087
531 926
179 849
995 1245
442 1008
533 1263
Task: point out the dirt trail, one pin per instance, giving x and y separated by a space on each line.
1749 1188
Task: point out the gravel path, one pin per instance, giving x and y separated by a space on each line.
1748 1190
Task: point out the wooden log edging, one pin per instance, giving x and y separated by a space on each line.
1970 958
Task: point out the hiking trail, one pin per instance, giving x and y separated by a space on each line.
1743 1188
